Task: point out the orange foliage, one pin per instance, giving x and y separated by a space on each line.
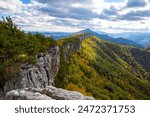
74 87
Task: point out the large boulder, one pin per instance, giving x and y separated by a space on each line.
47 93
25 95
61 94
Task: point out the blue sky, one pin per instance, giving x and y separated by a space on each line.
26 1
112 16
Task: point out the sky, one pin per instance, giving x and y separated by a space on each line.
111 16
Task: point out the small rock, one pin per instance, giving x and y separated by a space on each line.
12 95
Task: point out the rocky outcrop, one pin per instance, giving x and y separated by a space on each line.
84 36
25 95
55 62
39 75
47 93
70 48
61 94
36 82
74 45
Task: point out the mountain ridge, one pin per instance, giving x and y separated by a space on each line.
106 37
102 35
104 70
139 37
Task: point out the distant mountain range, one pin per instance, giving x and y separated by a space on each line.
106 37
55 35
131 39
140 38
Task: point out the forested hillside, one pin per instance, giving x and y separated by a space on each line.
104 70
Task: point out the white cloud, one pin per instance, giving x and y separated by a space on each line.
11 6
30 17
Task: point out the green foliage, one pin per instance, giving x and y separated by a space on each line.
91 66
62 78
106 70
66 52
18 47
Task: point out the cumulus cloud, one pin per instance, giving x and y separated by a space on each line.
136 3
62 1
73 15
75 9
136 15
112 1
111 11
11 6
115 13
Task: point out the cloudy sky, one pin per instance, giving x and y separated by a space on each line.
111 16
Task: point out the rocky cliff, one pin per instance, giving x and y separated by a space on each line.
74 44
36 82
39 75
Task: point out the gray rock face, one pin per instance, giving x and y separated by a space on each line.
55 62
61 94
39 75
25 95
84 36
47 93
71 47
